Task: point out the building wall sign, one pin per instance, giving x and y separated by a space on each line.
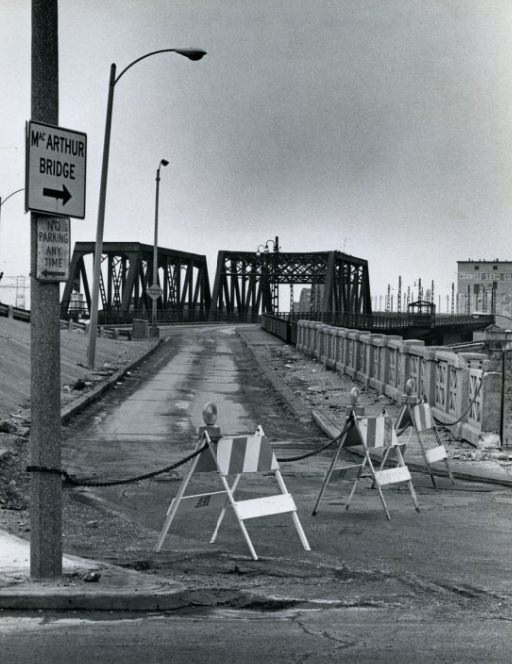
485 276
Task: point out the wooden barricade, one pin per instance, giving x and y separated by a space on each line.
234 457
417 415
370 433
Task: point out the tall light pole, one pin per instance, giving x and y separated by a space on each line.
269 280
191 54
154 327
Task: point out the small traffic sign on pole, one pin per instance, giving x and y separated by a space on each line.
53 248
56 169
154 292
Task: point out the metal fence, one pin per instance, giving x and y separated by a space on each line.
284 325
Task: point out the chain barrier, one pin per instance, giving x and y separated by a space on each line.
68 479
348 424
471 402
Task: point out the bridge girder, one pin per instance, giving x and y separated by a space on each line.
244 281
127 272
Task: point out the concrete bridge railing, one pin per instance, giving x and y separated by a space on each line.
458 386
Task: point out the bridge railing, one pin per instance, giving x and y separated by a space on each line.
8 311
164 316
379 321
451 382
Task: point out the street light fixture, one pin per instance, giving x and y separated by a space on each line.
155 287
191 54
268 283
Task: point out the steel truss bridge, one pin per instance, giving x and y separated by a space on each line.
127 273
246 284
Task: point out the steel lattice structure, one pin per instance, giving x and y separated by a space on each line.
247 283
126 273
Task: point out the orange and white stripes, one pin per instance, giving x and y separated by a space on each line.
373 432
422 415
238 455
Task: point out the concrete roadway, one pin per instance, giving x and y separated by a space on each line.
434 586
360 635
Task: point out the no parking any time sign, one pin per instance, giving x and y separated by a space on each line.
53 248
56 169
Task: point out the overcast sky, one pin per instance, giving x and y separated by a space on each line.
379 127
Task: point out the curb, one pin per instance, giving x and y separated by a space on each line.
276 381
130 599
78 404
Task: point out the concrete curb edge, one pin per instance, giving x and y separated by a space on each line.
77 405
277 383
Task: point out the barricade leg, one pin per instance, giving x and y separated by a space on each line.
327 477
429 467
409 482
173 507
356 481
381 495
296 521
440 442
240 522
223 511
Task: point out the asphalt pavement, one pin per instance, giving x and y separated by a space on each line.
95 585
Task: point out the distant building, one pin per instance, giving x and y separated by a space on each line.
304 300
485 286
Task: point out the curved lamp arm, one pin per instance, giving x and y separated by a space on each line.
190 53
3 200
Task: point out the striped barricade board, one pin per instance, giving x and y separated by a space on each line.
419 417
234 457
370 433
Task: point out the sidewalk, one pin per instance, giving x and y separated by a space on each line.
85 584
309 391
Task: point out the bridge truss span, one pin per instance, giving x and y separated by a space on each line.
127 273
247 283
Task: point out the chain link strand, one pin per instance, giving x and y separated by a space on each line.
68 479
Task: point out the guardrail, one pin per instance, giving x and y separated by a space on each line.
8 311
171 317
449 381
378 322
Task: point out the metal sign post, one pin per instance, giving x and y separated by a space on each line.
55 189
46 488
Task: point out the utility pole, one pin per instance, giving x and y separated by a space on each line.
46 487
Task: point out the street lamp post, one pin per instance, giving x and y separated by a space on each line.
268 280
154 327
191 54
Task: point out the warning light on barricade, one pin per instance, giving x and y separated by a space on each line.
210 413
210 418
234 456
354 402
370 433
416 413
354 396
